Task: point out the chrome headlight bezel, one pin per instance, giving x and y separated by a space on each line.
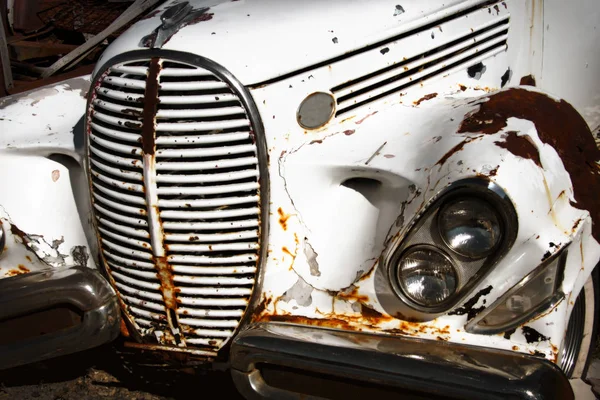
477 188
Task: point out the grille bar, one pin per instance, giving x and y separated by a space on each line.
175 184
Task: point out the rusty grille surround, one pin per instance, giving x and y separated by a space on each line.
176 160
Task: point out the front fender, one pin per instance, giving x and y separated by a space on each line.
342 195
43 204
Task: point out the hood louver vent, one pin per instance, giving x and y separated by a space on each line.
410 63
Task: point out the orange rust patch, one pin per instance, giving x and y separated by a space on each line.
287 251
353 296
20 270
124 330
425 98
167 285
283 218
515 348
28 258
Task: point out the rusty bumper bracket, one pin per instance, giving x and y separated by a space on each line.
277 361
55 312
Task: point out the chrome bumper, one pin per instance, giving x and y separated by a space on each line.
35 306
276 361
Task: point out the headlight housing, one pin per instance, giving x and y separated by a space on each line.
426 275
470 227
540 290
465 230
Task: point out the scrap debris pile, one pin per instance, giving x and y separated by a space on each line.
45 41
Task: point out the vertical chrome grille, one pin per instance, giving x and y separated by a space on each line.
174 175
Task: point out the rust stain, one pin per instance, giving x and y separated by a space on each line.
283 218
462 87
352 296
150 107
349 132
425 98
527 80
28 258
262 306
360 121
17 232
55 175
521 146
20 270
288 252
576 225
165 276
124 330
559 125
316 142
454 150
515 348
297 319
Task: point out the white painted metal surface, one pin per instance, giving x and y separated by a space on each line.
400 103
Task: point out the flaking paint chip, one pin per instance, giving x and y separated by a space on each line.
55 175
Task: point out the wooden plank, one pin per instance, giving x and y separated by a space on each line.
25 50
25 86
137 8
4 58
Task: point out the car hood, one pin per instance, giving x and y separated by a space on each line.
259 40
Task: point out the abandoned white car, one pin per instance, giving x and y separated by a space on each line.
381 198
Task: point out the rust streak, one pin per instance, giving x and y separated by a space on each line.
360 121
283 218
167 285
452 151
425 98
150 107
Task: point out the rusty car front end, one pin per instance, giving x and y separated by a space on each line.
331 200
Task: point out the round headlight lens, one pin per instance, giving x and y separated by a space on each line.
470 228
426 276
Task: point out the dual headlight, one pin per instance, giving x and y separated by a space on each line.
452 245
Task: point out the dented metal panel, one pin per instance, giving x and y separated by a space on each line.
323 261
